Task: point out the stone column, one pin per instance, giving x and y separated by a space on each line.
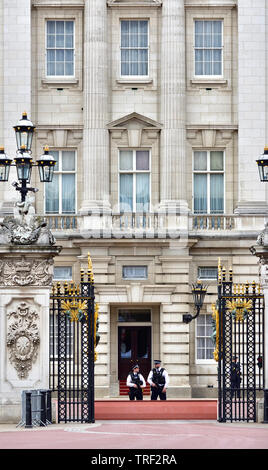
251 104
26 274
96 139
173 135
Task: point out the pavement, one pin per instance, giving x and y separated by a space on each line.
138 434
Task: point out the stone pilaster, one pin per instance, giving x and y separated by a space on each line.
172 167
26 274
96 140
15 43
251 106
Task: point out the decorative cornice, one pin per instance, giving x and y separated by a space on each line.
120 123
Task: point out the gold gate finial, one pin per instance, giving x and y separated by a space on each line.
90 267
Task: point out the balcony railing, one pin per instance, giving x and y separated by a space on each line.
155 224
62 222
212 222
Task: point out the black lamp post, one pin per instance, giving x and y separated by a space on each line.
199 291
262 163
23 161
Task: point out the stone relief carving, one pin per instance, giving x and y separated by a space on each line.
26 271
23 338
25 228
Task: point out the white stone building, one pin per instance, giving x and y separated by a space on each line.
156 112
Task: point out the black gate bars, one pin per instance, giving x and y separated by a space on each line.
239 319
73 319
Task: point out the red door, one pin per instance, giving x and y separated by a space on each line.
134 347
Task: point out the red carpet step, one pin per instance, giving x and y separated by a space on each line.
123 389
156 410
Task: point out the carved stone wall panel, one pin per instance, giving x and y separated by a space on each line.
23 337
25 271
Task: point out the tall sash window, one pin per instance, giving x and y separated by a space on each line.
208 47
60 48
134 180
208 182
134 48
60 195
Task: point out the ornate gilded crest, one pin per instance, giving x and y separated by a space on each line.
239 308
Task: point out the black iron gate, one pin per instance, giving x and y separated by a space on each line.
239 321
73 319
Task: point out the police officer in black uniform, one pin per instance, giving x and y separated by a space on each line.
235 377
135 382
158 379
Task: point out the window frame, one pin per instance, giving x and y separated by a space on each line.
60 172
63 279
135 278
60 77
134 173
209 172
207 278
134 77
202 361
212 76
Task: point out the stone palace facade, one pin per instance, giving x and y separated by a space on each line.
155 111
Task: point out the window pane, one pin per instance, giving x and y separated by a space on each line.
126 192
69 41
207 272
68 193
69 68
59 55
59 68
216 194
51 27
52 195
63 273
51 68
126 160
200 161
68 160
142 160
69 27
200 194
216 161
134 315
55 154
143 192
51 40
59 27
135 272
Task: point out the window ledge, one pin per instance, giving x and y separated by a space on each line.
207 82
59 82
134 81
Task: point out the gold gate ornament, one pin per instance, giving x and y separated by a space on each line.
239 308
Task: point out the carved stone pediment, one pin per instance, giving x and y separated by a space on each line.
133 128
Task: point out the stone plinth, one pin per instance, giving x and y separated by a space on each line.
26 274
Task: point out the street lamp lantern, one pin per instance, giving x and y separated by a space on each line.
262 163
24 133
5 163
199 291
46 164
24 163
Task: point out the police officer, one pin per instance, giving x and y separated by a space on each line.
136 383
159 380
235 377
